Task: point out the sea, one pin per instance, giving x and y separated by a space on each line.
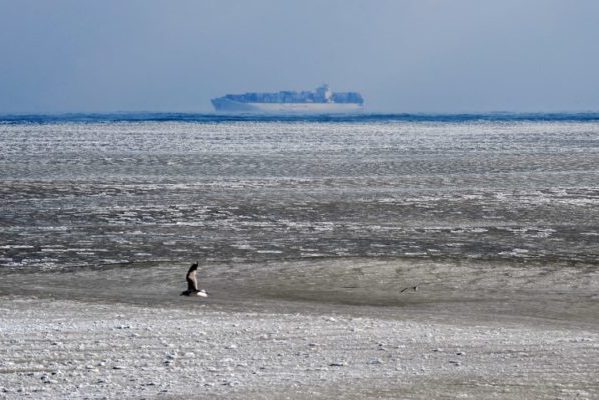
82 190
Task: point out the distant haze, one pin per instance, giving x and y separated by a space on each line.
403 56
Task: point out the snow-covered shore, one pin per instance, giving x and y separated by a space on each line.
459 346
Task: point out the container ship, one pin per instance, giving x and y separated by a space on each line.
320 101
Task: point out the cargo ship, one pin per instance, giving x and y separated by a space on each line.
320 101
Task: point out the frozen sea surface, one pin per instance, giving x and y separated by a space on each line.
91 193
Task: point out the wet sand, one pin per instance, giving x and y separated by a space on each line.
321 328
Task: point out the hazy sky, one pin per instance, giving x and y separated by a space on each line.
402 55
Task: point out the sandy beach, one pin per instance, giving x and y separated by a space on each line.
314 329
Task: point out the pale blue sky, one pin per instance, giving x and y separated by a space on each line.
403 55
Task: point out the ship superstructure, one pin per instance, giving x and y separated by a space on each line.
322 100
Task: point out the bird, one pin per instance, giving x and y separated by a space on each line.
414 288
192 283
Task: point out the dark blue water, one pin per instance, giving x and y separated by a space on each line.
356 118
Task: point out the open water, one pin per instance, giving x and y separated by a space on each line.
94 190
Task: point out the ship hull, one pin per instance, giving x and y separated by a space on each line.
230 106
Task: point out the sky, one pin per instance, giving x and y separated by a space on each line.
415 56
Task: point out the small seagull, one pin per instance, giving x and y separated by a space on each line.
414 288
192 283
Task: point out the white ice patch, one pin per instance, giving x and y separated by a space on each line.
579 202
515 252
473 197
53 228
243 246
531 232
181 223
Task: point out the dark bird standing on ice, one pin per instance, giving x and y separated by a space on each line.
192 283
